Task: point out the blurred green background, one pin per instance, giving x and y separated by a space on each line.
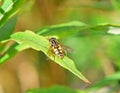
97 56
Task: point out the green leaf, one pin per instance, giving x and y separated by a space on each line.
107 81
11 51
100 29
116 4
62 30
1 47
8 8
41 43
54 89
7 29
79 29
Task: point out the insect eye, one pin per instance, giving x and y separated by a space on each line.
51 39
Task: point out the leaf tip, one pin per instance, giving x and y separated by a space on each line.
87 81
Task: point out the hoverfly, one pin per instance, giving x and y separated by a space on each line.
56 48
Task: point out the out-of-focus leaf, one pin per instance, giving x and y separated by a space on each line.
11 51
78 28
113 50
7 29
101 5
8 8
81 52
62 30
54 89
102 29
107 81
116 4
1 47
41 43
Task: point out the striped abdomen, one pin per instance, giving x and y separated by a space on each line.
58 51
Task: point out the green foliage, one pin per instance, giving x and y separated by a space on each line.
116 4
62 30
85 38
11 51
77 28
114 55
41 43
7 26
55 89
110 80
7 29
8 8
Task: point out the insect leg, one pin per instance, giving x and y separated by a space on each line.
50 52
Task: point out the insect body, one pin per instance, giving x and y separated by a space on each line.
56 48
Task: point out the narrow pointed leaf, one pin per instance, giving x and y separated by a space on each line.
41 43
55 89
7 29
11 51
8 8
62 30
78 28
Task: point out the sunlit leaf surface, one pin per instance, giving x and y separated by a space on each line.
41 43
8 8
